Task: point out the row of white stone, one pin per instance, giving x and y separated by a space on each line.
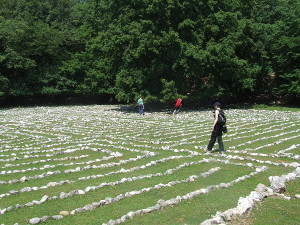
153 163
122 170
27 178
44 161
112 142
182 141
280 154
119 155
278 185
238 130
111 164
67 150
29 189
177 157
109 200
161 204
268 137
243 151
123 180
113 155
259 133
88 188
185 141
236 157
246 150
237 127
229 157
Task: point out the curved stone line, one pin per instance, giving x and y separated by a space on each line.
111 164
247 203
267 145
115 154
293 164
109 200
166 203
29 189
74 192
237 128
122 170
46 160
87 189
24 178
265 138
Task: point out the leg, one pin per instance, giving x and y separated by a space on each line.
175 110
220 142
211 141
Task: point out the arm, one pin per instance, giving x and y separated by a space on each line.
216 119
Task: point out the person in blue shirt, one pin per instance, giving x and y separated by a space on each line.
141 105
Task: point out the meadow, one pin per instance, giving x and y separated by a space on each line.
109 165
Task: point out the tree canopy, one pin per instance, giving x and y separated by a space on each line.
158 49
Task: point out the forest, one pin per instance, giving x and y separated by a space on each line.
159 49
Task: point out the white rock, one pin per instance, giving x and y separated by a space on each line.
244 204
35 220
81 192
45 218
44 198
57 217
277 184
25 189
162 202
63 195
23 179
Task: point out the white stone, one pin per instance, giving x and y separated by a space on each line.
63 195
277 184
245 204
35 220
44 198
81 192
57 217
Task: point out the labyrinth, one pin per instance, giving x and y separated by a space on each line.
109 165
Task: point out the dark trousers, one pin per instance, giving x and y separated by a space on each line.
216 134
141 109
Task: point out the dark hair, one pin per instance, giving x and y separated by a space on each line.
217 104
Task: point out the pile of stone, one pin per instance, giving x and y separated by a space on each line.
261 191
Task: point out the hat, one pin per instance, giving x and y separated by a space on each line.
217 104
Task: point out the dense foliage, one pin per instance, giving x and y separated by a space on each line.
157 49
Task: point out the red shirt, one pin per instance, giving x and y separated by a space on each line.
178 102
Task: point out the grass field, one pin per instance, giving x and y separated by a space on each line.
98 164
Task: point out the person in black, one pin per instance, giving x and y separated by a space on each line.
217 129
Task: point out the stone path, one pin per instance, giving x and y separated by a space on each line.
52 155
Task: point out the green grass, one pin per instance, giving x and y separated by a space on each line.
268 210
265 107
100 127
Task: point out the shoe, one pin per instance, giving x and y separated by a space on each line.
207 152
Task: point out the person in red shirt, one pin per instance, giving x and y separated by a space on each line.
178 105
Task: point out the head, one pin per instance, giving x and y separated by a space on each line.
217 105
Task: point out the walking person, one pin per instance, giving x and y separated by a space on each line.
217 129
141 106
